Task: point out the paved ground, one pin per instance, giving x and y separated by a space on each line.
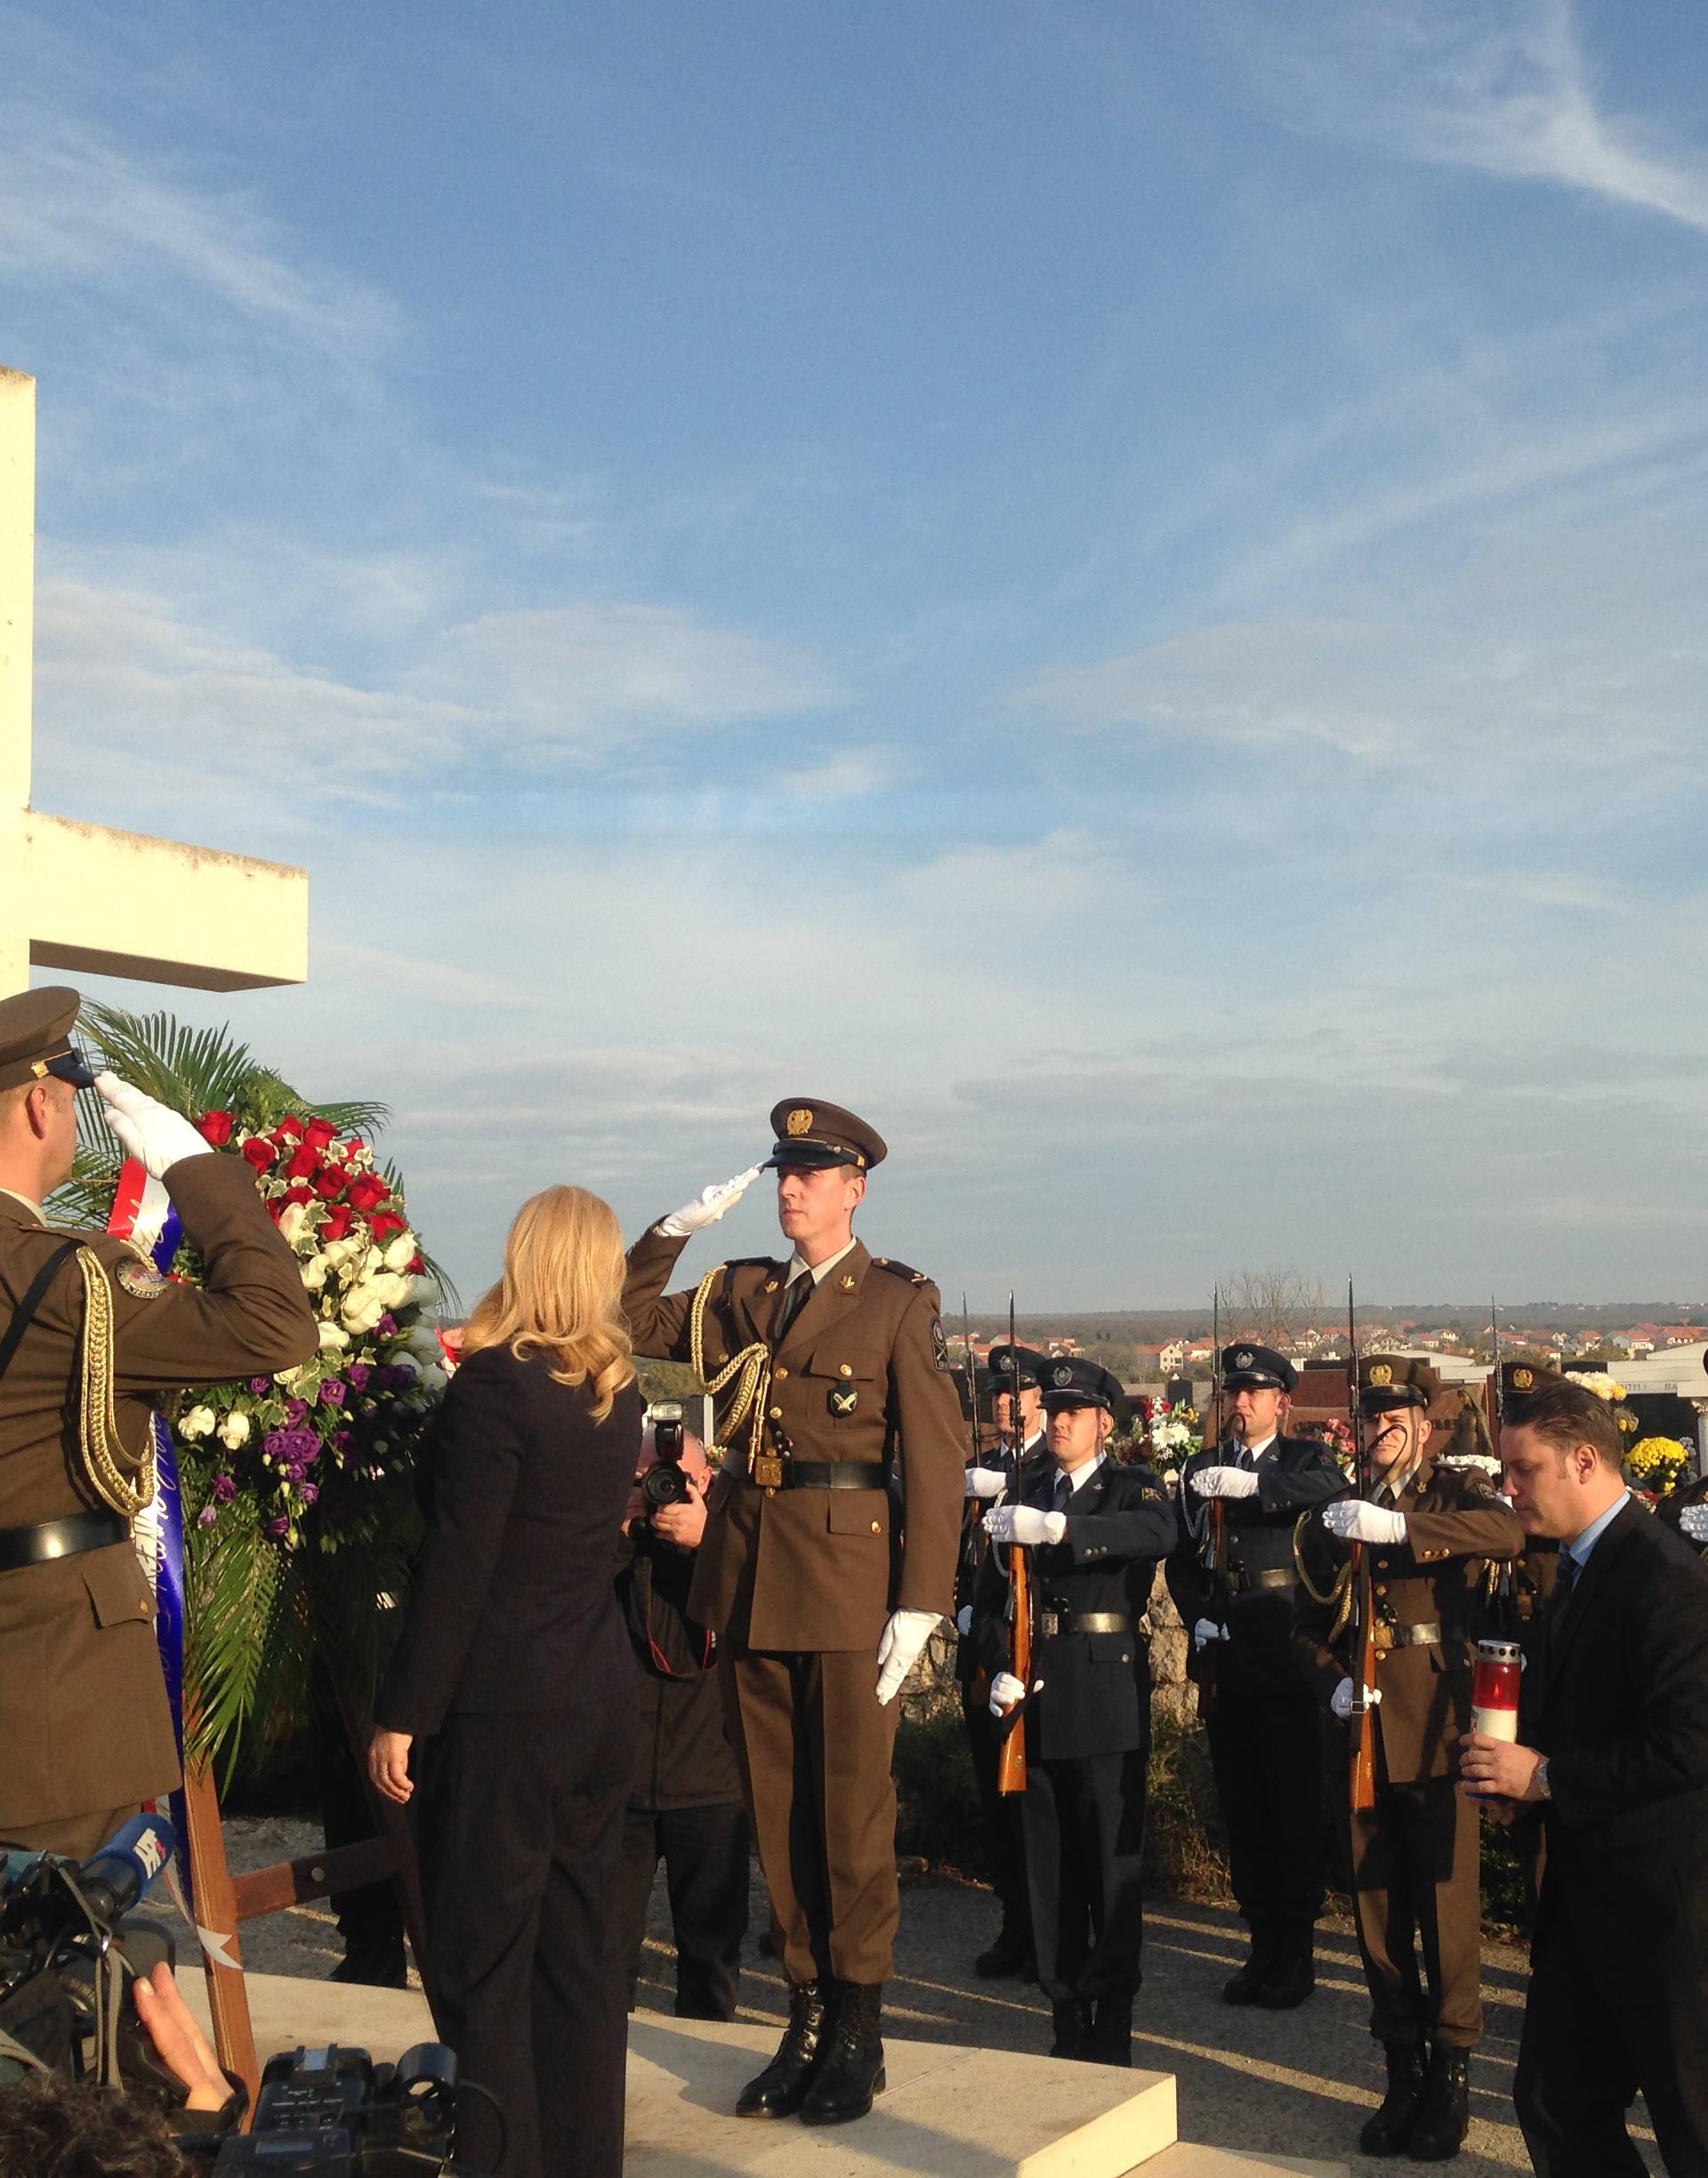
1294 2084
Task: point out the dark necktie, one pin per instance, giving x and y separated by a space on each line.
1558 1602
794 1299
1064 1491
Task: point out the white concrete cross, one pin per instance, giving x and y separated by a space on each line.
87 898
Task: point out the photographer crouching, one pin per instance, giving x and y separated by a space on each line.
685 1805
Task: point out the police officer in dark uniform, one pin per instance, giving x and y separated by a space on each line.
1097 1531
1018 1412
1432 1536
1232 1575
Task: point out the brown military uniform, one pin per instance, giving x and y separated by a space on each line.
1416 1855
83 1716
798 1581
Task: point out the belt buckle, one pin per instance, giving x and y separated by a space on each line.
767 1471
1048 1622
1384 1636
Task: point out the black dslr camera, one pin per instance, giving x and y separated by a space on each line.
335 2114
664 1483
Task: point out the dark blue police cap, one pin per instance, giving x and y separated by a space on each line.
1070 1383
1250 1367
1016 1369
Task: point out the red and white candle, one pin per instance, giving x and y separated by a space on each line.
1494 1689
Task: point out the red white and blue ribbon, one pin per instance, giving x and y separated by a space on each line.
143 1214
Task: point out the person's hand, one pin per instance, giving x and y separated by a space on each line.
1025 1525
1341 1701
708 1206
1498 1769
151 1132
1005 1690
985 1481
1693 1523
682 1524
179 2041
1206 1631
904 1637
1225 1483
1355 1521
388 1765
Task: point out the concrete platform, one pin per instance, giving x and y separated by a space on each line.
952 2111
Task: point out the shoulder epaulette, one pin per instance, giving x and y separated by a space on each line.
900 1270
751 1263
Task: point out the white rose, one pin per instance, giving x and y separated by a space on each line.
401 1252
197 1423
404 1359
234 1431
291 1218
398 1291
363 1309
314 1272
423 1342
433 1378
293 1380
372 1263
332 1337
422 1290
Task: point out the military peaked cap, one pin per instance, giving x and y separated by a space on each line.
1388 1380
36 1038
1247 1367
1017 1368
1070 1383
1525 1379
818 1136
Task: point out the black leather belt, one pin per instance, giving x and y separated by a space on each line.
1430 1635
1053 1623
1268 1577
819 1474
60 1539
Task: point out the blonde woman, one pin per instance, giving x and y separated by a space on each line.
514 1688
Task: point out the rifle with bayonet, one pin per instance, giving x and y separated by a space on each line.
1212 1550
1011 1756
1362 1715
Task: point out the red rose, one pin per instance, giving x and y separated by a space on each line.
367 1192
331 1183
258 1151
289 1129
386 1222
355 1146
216 1127
299 1193
337 1223
417 1266
318 1134
305 1164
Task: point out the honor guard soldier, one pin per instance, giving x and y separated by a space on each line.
1232 1575
1432 1536
1017 1408
1096 1532
90 1333
829 1555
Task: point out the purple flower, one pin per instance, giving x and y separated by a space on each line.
295 1472
309 1492
358 1373
206 1517
294 1410
305 1447
387 1326
281 1526
224 1489
261 1385
276 1444
332 1392
343 1440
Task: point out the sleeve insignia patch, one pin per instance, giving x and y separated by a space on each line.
844 1399
940 1344
140 1280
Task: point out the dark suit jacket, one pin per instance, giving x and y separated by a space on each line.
1096 1697
512 1607
1618 1702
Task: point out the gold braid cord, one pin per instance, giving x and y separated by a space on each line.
750 1371
118 1478
1339 1590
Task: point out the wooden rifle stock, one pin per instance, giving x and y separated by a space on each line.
1011 1756
1215 1563
1363 1780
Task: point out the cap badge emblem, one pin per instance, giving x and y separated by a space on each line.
1242 1360
1522 1379
1061 1375
1006 1364
800 1121
1380 1373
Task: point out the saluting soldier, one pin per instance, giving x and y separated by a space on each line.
829 1555
1017 1408
1432 1535
1097 1531
1265 1737
90 1333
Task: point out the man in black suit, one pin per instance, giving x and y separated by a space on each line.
1614 1752
1096 1531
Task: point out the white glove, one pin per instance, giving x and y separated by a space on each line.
1025 1525
708 1206
158 1136
985 1481
1005 1690
904 1637
1355 1521
1225 1483
963 1620
1693 1522
1342 1701
1207 1631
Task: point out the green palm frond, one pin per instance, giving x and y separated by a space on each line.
249 1660
192 1069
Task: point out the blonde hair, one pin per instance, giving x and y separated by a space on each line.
561 1294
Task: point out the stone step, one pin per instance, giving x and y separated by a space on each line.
1186 2160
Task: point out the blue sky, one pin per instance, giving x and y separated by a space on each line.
1118 587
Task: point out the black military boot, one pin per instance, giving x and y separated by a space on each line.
1011 1954
1293 1973
1110 2040
781 2088
1385 2133
1443 2115
852 2070
1243 1987
1073 2025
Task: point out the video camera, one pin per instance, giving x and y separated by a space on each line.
335 2114
664 1483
